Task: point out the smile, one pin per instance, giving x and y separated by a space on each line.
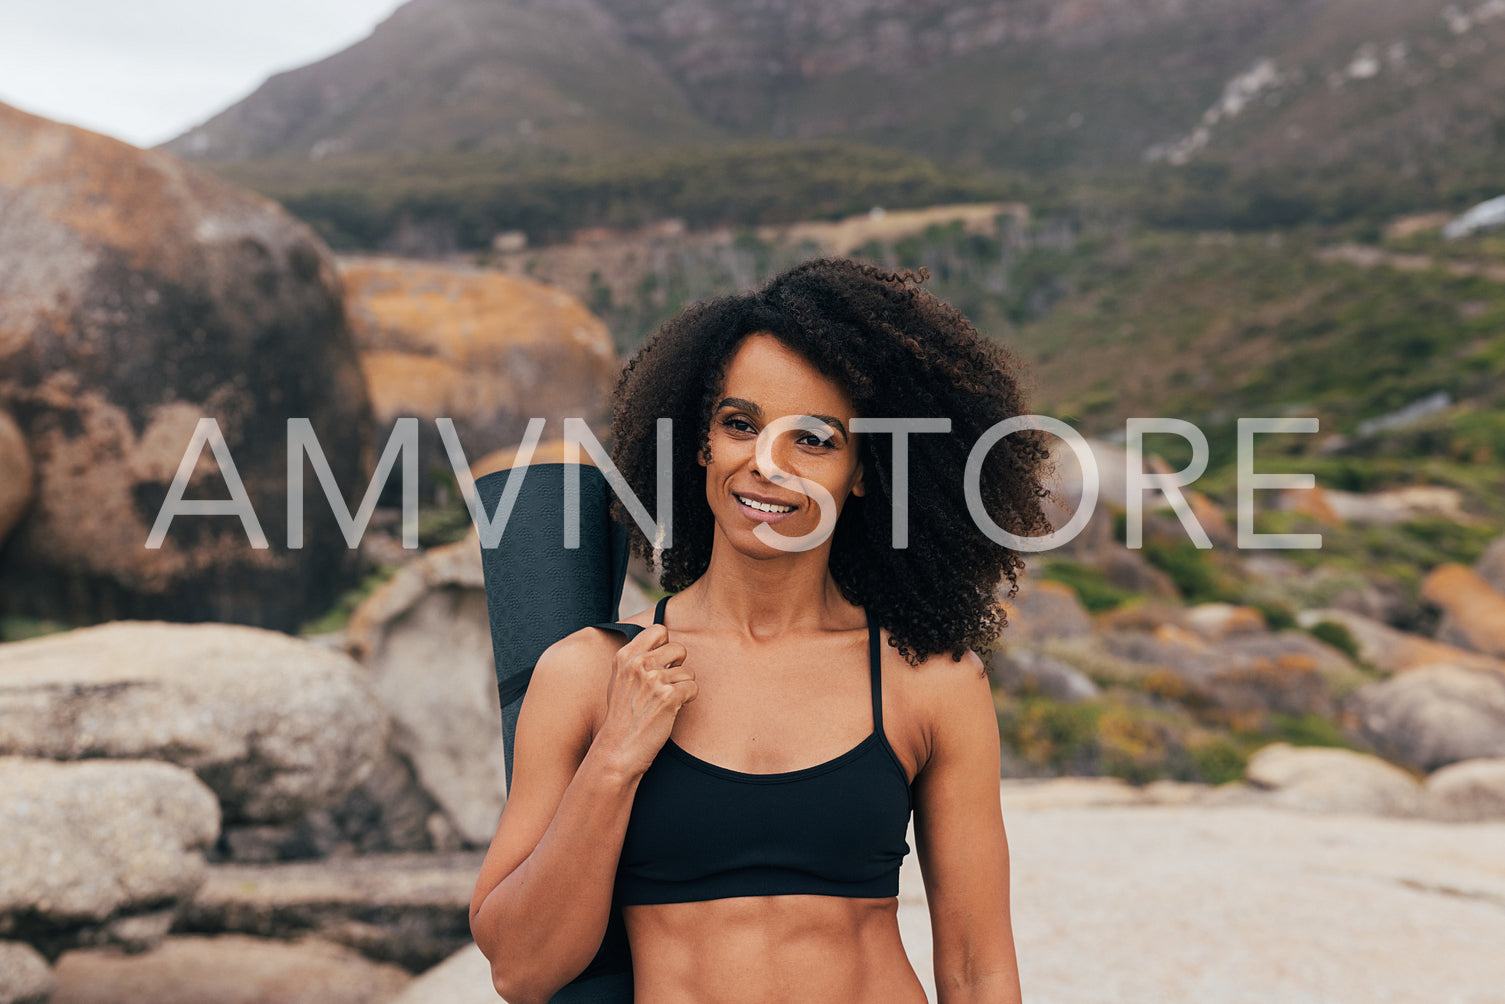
763 506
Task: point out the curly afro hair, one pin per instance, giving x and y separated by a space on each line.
897 351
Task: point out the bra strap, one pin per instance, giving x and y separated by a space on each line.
658 611
875 672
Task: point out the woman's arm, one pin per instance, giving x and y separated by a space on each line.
960 840
543 898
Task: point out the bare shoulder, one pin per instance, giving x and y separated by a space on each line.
938 679
930 700
581 657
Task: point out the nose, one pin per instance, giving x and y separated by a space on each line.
779 453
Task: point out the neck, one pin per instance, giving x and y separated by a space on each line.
764 597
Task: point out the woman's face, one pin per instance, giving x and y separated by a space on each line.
766 381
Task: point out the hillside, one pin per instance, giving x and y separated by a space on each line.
1117 319
459 75
1417 89
587 76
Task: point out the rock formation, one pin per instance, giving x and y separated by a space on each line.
16 475
274 725
1435 715
482 348
97 853
425 638
137 296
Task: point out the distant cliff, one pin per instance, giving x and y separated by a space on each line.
1367 97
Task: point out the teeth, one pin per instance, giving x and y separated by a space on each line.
764 506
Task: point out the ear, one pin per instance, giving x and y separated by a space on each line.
857 488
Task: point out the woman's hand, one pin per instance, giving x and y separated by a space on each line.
648 686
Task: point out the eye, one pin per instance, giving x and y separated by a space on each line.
815 439
738 424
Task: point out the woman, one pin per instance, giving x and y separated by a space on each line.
737 778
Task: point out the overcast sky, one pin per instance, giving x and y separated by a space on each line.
146 70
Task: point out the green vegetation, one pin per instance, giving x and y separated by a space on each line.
1338 636
1115 738
1307 730
1092 588
440 202
16 627
337 616
1190 568
1119 735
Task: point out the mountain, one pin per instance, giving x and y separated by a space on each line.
456 120
1030 83
462 75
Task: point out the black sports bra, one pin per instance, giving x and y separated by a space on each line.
699 831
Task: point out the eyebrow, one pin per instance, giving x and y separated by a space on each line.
742 404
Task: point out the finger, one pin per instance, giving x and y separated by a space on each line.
669 654
690 689
648 639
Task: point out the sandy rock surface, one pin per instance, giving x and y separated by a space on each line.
463 978
1242 905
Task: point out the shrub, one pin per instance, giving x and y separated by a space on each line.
1095 592
1338 636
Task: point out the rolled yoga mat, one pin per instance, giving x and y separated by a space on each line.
537 592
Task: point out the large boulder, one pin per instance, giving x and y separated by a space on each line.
1333 780
137 296
1217 621
1044 609
16 475
1469 791
227 970
98 852
410 909
1021 670
1244 676
1128 570
1473 613
387 812
25 977
425 639
275 725
1434 716
1392 651
483 348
